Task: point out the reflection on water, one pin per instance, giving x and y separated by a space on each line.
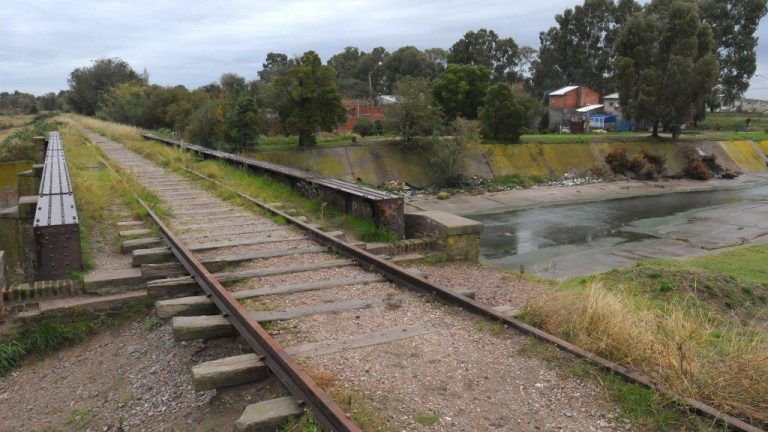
526 231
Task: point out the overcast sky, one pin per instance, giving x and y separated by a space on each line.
194 42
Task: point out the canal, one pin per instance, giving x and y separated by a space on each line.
575 239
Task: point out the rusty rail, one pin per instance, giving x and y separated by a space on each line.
327 412
330 416
401 277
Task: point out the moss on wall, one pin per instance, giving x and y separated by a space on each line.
376 164
745 155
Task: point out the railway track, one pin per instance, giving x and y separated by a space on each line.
308 302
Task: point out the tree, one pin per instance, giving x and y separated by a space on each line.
89 84
580 49
460 90
734 23
500 116
309 100
275 64
207 125
666 65
486 49
446 156
243 120
437 60
406 61
413 115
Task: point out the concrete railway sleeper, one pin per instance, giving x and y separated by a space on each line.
332 301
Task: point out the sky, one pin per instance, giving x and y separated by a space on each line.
194 42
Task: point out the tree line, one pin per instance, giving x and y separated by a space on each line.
669 60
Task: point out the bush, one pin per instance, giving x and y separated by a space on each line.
644 165
695 168
364 128
618 161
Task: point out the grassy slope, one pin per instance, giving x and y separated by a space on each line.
697 325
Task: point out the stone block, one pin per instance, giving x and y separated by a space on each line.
27 206
458 237
27 183
266 416
229 371
106 281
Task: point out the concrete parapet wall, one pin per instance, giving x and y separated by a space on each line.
458 237
378 163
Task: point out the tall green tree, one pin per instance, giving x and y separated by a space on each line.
88 84
501 118
666 65
460 90
485 48
309 100
274 65
243 121
413 115
406 61
734 23
580 48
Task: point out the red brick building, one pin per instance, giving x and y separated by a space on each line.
564 102
359 109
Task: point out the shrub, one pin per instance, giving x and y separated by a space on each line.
658 161
364 128
618 161
695 167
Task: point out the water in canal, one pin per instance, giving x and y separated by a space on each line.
574 236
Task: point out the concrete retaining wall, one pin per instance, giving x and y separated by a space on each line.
378 163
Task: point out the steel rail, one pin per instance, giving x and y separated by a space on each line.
402 277
328 414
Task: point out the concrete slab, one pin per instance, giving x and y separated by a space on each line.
111 280
268 415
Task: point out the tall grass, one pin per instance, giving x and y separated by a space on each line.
680 347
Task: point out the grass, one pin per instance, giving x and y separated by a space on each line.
645 409
492 327
427 419
99 192
323 140
351 401
259 187
80 418
696 325
305 423
514 180
736 122
50 336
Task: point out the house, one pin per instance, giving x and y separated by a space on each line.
753 106
358 109
564 102
611 105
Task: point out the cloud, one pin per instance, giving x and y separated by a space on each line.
193 43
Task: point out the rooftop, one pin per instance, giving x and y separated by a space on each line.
563 91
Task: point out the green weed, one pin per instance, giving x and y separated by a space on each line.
427 419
